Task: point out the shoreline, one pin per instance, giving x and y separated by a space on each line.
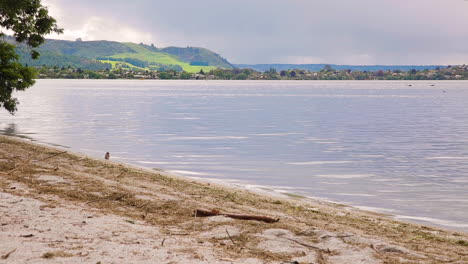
308 231
260 80
278 193
274 193
265 190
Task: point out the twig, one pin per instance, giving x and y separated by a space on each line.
266 219
179 234
230 237
342 236
8 254
375 249
162 243
309 246
54 155
23 164
203 213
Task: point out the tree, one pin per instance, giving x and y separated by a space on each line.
242 76
185 75
380 73
328 68
165 75
30 23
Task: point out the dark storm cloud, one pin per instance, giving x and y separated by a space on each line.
294 31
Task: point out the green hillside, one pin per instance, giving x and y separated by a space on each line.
195 55
144 54
85 49
109 54
60 60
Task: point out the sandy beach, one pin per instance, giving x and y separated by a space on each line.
62 207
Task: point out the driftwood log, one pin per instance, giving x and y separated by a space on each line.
205 213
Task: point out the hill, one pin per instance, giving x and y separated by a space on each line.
318 67
94 55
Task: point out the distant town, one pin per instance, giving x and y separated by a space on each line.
327 73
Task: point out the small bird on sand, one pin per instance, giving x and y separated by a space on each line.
107 156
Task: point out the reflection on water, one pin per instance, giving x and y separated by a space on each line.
10 130
370 144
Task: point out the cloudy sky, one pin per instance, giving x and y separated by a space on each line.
281 31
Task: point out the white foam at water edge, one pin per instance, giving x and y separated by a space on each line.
432 220
318 162
184 172
375 209
283 187
254 187
345 176
120 158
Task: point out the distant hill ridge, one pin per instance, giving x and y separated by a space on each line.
318 67
103 54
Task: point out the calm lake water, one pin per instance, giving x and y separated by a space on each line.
381 145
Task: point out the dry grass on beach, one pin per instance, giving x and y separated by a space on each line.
59 206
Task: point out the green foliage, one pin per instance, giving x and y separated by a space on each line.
132 61
318 67
60 60
85 49
327 68
165 75
198 63
195 56
125 55
185 76
124 71
147 54
13 76
242 76
30 22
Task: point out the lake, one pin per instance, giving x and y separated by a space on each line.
378 145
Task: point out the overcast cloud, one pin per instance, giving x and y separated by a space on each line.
286 31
